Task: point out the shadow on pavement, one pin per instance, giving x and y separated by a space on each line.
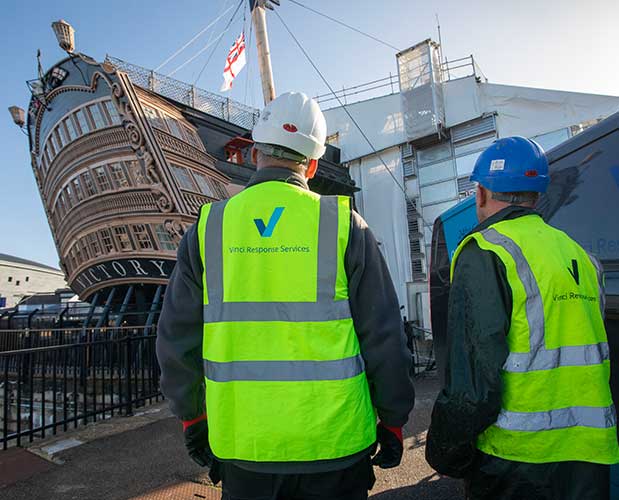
433 487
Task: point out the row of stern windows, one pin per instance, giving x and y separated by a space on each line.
163 121
124 174
88 118
119 239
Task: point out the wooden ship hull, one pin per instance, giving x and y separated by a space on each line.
124 158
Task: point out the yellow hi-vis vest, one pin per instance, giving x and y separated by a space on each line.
285 380
556 400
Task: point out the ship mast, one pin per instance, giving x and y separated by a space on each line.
262 44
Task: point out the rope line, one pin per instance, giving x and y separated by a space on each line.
346 25
217 45
192 40
345 108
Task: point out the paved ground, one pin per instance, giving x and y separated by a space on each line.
143 458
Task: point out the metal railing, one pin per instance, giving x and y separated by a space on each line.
450 70
190 95
46 390
346 94
461 68
421 346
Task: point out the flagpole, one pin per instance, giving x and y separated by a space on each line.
264 53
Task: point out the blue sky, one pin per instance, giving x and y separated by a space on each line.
566 45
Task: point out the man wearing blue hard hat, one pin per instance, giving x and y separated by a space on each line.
526 411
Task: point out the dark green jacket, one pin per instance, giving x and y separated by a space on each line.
479 318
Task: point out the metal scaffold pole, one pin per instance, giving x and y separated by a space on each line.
264 53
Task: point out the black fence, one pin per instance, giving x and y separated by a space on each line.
421 346
95 376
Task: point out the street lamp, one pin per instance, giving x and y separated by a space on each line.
65 34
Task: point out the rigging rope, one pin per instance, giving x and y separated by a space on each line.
198 53
217 45
345 108
192 40
346 25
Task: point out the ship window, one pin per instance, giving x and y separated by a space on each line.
50 148
93 244
85 249
192 137
97 117
88 184
174 127
142 237
183 178
55 141
122 238
112 111
27 279
132 169
47 157
64 136
68 122
83 121
102 179
77 189
165 240
119 176
79 255
204 185
107 240
219 189
154 118
10 278
60 206
70 196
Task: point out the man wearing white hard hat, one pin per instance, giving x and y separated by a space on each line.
282 317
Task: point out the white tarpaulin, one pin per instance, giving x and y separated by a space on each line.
379 118
382 205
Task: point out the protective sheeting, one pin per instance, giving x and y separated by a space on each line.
379 118
529 112
383 206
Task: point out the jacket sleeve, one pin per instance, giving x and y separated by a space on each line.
478 321
179 333
376 316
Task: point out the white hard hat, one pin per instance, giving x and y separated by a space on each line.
293 121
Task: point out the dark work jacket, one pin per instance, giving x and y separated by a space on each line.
479 318
375 312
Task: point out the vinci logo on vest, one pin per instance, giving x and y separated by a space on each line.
267 231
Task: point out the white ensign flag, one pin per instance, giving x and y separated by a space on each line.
234 62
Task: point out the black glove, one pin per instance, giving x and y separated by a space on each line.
391 447
196 442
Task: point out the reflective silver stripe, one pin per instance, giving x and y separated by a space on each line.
277 311
600 272
324 309
213 249
534 305
327 249
283 371
575 416
540 358
546 359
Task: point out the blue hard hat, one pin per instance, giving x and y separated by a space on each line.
512 165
